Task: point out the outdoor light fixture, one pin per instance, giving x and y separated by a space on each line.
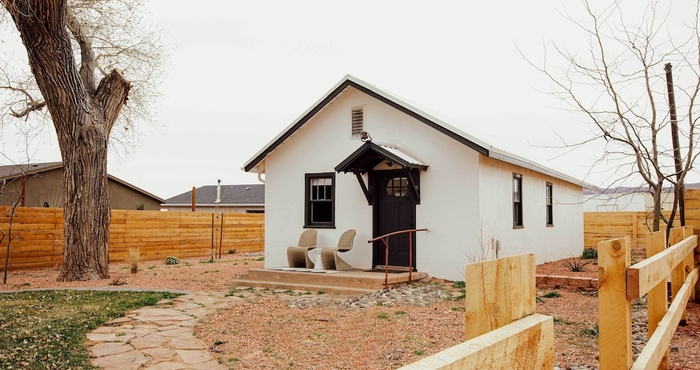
364 136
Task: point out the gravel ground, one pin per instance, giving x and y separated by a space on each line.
284 329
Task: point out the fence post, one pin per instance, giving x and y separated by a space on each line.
678 273
696 296
614 309
506 291
657 298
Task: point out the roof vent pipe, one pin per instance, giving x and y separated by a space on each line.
218 191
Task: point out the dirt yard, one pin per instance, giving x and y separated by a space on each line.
263 331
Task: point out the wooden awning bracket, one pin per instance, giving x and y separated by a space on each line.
368 196
412 185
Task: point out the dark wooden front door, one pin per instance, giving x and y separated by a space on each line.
394 210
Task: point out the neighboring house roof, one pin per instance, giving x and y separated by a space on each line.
410 109
231 195
14 171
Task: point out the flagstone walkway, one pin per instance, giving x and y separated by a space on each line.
160 336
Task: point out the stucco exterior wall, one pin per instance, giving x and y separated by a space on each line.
449 188
562 240
38 188
47 187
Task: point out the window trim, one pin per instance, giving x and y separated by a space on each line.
549 204
307 200
517 201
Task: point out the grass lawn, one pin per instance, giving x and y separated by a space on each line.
47 329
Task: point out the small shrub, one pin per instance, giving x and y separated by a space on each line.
590 254
171 260
400 313
231 251
419 352
383 316
576 264
552 294
140 207
260 259
133 259
459 284
592 331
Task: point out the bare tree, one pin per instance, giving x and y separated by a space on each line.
74 49
618 82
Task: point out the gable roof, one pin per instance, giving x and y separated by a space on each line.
239 195
14 171
411 110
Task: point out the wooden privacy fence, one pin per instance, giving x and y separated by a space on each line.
502 330
619 283
38 235
601 226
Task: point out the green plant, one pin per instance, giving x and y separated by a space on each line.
140 207
592 331
383 316
321 292
400 313
576 264
459 284
419 352
590 254
207 261
172 260
552 294
55 331
231 251
260 259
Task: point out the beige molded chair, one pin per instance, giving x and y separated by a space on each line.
298 255
329 256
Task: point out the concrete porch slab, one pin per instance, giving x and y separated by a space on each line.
329 281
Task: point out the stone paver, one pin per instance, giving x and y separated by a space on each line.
159 337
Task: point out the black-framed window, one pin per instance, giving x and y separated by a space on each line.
320 200
517 200
550 208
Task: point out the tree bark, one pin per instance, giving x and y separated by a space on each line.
83 120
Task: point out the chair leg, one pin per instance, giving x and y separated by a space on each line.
328 259
340 264
295 257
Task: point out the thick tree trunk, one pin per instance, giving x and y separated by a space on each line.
87 209
83 118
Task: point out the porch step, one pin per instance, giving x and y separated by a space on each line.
337 282
306 287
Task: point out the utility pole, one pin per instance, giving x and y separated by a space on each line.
680 191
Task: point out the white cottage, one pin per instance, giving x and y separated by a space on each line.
408 170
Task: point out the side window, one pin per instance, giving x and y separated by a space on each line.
548 200
517 200
320 200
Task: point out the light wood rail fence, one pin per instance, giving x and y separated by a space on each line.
620 283
38 235
502 329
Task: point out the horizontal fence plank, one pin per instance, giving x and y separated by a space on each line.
646 274
655 348
39 235
527 343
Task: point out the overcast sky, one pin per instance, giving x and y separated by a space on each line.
240 72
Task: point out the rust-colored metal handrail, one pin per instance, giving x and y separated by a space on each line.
384 238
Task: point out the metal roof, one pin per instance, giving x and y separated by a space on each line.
256 163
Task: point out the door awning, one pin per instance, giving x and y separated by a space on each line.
370 154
